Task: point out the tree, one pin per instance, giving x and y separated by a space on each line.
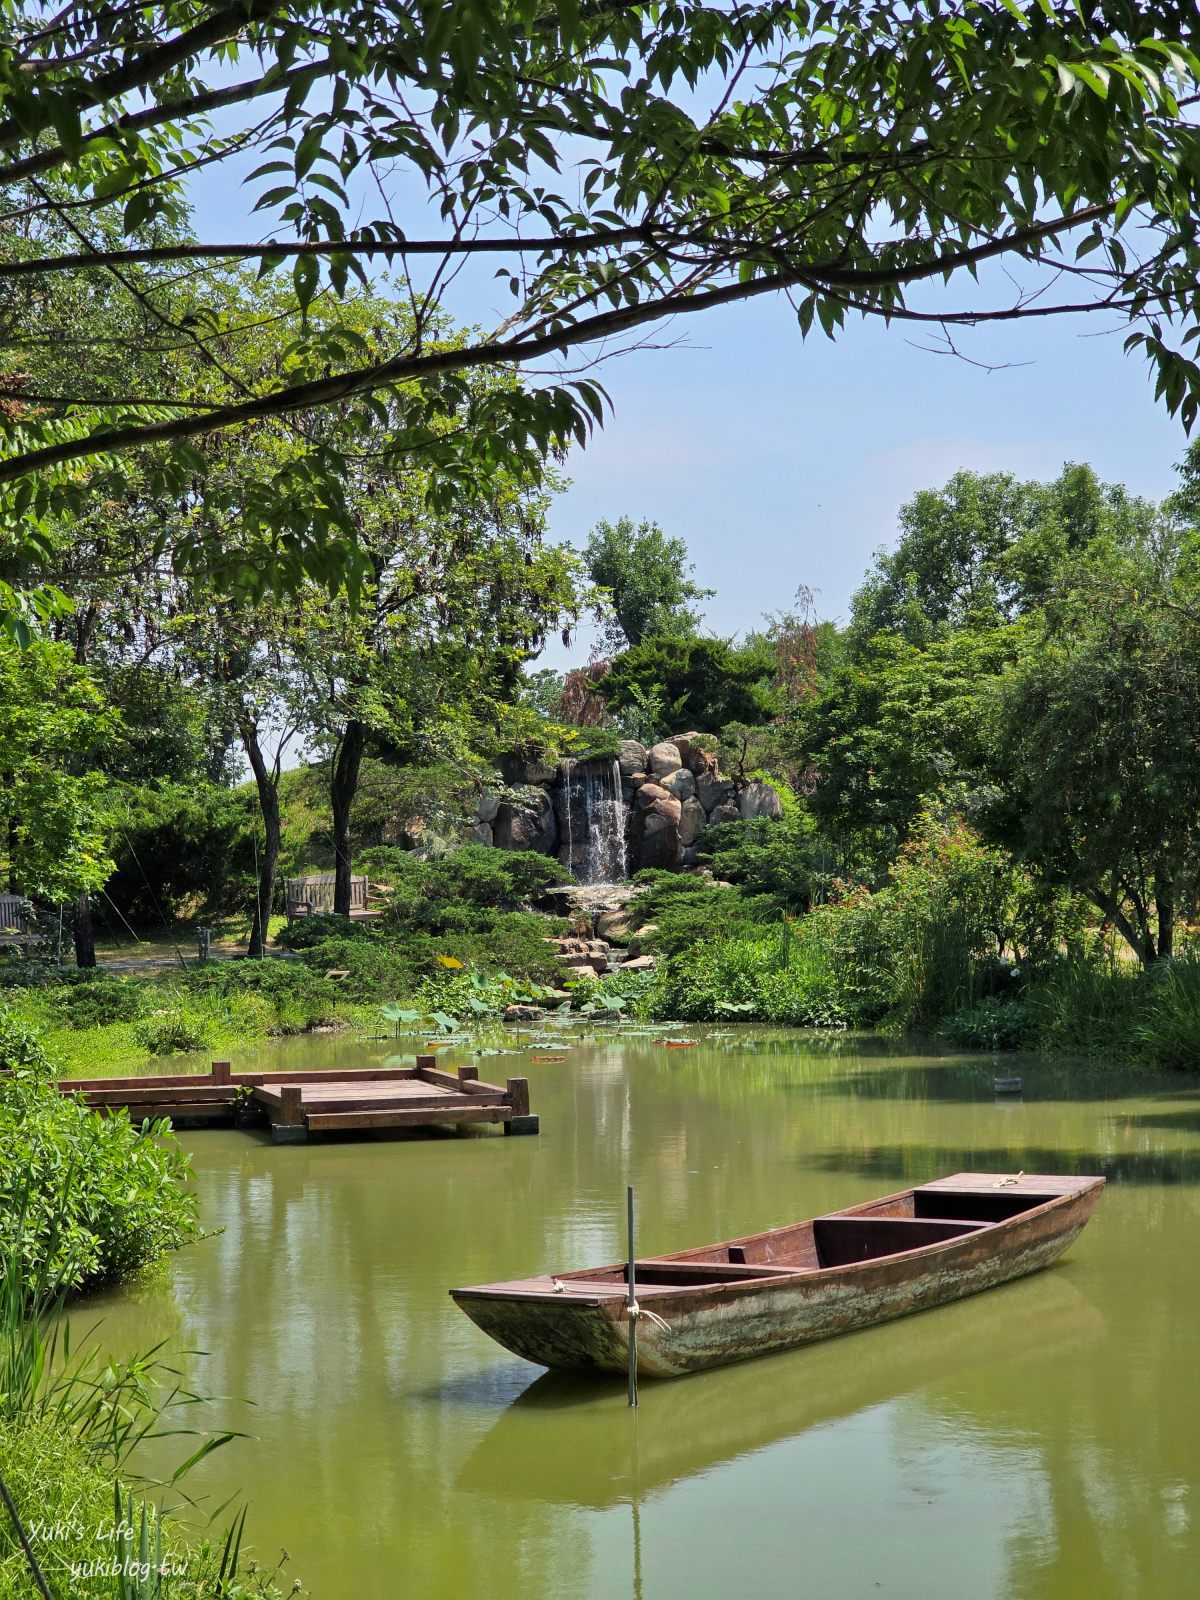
988 548
450 610
1093 741
693 682
850 156
647 578
52 722
894 729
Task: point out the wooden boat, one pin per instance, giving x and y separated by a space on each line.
790 1286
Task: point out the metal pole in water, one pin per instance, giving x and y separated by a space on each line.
632 1307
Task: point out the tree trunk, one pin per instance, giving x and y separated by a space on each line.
85 941
343 786
1164 901
267 782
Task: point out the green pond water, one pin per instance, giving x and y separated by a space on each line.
1042 1440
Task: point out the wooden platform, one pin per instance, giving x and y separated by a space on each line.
299 1105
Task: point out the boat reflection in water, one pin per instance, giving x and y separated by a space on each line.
572 1440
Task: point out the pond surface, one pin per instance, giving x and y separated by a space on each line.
1041 1440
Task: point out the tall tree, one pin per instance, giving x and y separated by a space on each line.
987 548
53 723
851 156
648 578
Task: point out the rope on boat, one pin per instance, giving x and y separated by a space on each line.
1003 1183
637 1313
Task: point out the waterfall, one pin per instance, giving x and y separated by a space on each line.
605 812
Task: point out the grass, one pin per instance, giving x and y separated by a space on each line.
69 1427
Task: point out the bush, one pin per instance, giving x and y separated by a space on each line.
304 932
96 1000
773 977
461 889
191 843
89 1198
788 860
176 1030
376 968
993 1024
679 913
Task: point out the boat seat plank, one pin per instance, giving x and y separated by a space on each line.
666 1267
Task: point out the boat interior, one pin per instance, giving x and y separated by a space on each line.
888 1227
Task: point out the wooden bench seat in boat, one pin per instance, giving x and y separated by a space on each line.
840 1240
667 1272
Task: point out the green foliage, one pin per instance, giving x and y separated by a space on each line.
1039 132
304 932
1092 742
89 1197
987 549
993 1024
180 844
461 890
52 719
751 979
647 579
788 860
694 682
376 968
94 999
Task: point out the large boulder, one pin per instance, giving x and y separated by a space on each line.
654 831
712 790
727 811
616 926
685 743
631 757
759 799
489 804
681 784
480 833
663 758
658 845
525 821
517 769
692 819
649 793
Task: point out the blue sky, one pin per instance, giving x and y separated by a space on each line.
782 461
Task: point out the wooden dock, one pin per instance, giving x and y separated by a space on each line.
299 1105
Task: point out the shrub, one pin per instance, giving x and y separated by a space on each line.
190 842
376 969
768 978
96 1000
304 932
993 1024
86 1197
176 1029
462 888
788 860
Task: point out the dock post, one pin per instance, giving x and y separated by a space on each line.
291 1127
518 1098
426 1063
467 1074
220 1072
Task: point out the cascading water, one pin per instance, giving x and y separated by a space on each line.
592 816
605 825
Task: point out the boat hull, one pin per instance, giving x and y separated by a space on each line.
710 1326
